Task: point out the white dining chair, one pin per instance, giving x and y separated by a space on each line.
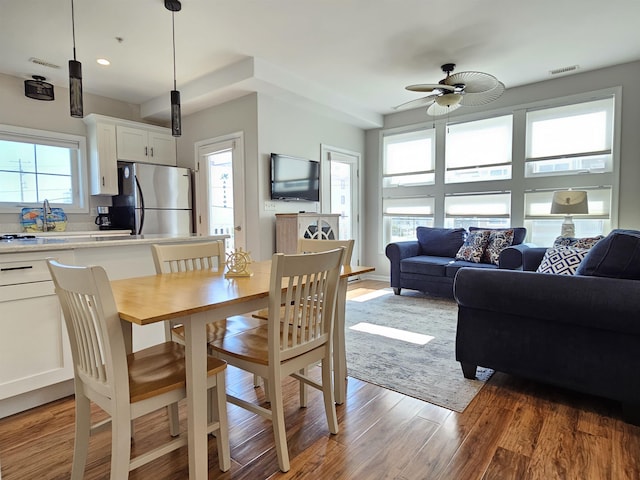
197 256
290 341
125 385
310 245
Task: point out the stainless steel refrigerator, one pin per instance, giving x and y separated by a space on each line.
153 199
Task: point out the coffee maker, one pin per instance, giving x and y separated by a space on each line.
103 220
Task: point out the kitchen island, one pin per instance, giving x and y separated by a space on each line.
35 359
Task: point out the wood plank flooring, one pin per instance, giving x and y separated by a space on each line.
513 429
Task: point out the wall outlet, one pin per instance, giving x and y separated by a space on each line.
269 206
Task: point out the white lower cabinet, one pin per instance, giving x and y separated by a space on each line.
34 346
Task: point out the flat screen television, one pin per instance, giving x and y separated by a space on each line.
294 178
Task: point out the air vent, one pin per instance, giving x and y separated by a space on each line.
44 63
559 71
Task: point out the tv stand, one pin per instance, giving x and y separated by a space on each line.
292 226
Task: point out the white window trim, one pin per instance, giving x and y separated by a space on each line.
46 137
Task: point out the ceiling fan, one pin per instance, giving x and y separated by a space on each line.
463 89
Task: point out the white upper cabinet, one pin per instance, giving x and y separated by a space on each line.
142 144
103 158
111 139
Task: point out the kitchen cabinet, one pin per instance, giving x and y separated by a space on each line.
34 346
35 358
103 159
112 139
151 145
292 226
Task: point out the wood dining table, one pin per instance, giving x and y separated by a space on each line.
196 298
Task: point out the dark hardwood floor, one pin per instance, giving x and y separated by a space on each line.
513 429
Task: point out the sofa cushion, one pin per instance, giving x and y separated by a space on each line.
585 242
615 256
474 246
440 242
519 233
498 241
562 260
425 265
452 268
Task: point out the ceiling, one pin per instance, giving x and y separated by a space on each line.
352 58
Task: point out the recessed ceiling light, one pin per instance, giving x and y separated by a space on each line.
103 61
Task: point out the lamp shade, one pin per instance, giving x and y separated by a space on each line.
570 202
449 99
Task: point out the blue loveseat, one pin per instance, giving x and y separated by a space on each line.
580 331
429 263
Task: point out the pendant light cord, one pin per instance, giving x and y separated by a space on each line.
173 29
73 31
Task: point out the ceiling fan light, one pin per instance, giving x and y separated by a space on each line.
448 99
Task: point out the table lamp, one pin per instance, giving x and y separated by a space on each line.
568 203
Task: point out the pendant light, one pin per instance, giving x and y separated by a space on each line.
176 120
75 76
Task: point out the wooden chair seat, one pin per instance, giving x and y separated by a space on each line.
160 369
222 328
251 345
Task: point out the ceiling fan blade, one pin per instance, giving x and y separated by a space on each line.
436 110
430 87
477 99
474 82
419 102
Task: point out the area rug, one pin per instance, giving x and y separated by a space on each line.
380 330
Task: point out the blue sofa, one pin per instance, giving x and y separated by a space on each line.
580 331
428 264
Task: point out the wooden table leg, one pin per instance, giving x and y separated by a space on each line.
196 372
339 348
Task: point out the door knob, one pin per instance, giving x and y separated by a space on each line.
238 228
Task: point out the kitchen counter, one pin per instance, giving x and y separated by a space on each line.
78 240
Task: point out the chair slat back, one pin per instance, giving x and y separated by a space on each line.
186 257
312 245
93 325
310 284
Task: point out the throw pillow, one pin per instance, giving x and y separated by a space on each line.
562 260
440 242
586 242
498 241
519 233
474 246
615 256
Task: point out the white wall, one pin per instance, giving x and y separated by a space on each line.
292 130
235 116
269 125
18 110
625 75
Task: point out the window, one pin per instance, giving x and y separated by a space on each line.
544 227
409 158
38 165
502 170
570 139
480 210
479 151
403 215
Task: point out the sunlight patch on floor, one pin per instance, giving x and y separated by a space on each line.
410 337
371 295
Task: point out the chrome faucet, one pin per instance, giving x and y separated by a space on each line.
46 210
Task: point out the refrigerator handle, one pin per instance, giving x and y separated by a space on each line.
139 232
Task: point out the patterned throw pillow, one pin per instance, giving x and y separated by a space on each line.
562 260
474 246
498 241
586 242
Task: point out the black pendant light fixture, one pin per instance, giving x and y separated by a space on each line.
176 120
75 76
